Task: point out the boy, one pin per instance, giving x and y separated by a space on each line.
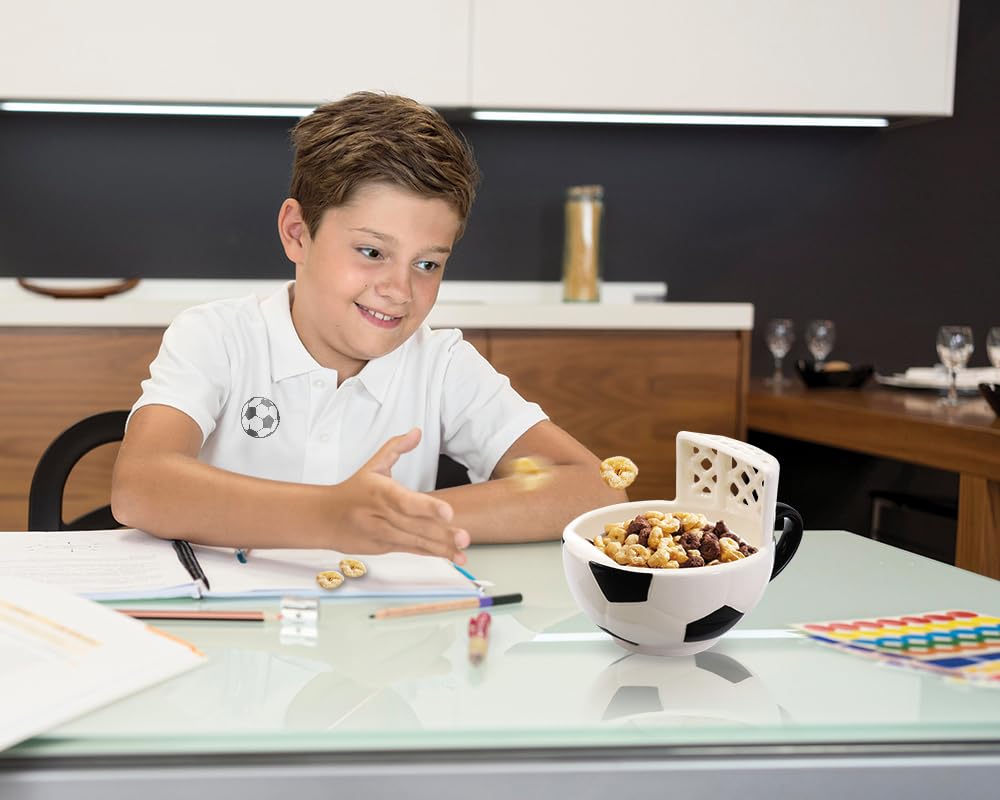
315 417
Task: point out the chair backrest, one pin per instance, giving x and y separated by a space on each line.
45 498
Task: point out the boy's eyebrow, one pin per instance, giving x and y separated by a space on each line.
386 237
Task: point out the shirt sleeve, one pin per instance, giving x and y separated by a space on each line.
191 371
482 414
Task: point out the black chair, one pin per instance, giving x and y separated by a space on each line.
45 498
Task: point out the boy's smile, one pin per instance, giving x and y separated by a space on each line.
370 276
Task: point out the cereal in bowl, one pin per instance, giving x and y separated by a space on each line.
671 541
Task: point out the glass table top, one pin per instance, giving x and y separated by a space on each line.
551 678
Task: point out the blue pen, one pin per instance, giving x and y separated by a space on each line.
241 555
465 572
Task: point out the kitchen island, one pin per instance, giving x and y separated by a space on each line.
623 375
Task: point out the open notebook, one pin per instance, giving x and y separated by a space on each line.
62 656
129 564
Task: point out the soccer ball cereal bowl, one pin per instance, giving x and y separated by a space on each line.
678 612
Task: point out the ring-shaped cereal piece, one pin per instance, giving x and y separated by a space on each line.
352 568
529 473
618 472
329 579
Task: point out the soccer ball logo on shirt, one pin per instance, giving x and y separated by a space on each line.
259 417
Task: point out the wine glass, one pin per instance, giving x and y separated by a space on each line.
993 346
780 336
820 335
954 348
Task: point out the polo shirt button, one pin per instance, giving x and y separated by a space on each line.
324 437
319 384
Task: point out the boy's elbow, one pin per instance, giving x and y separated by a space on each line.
122 504
125 496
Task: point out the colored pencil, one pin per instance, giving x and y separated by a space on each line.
446 605
220 616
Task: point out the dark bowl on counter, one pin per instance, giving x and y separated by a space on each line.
854 377
991 391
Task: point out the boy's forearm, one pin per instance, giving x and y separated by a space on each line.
176 496
500 511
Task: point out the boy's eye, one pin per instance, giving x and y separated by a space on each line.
370 252
427 266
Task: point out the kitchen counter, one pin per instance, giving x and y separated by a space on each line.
482 305
622 376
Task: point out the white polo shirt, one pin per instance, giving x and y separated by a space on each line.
218 357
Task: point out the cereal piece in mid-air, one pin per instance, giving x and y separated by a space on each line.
352 568
529 472
618 472
329 579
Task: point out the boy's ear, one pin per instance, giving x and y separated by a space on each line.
292 230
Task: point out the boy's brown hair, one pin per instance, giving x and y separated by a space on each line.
368 137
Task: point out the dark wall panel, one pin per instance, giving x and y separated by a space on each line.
888 232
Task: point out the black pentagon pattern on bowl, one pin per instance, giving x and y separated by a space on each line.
838 379
712 625
620 638
619 586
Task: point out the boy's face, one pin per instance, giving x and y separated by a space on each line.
370 276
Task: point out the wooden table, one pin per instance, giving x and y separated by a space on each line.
905 426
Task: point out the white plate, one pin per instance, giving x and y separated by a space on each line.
900 381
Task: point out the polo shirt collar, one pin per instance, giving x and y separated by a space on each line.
377 374
289 356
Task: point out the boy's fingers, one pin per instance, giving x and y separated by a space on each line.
423 527
388 454
417 504
449 547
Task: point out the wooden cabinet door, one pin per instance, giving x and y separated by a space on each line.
629 393
51 378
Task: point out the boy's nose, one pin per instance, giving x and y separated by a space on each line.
394 285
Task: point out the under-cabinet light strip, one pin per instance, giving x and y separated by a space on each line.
174 109
679 119
617 118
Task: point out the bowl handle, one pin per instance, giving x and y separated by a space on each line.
791 536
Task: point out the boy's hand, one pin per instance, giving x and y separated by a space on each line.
381 515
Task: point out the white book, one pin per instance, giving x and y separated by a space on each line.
62 656
128 564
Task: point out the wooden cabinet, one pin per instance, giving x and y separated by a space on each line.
629 393
235 51
890 57
51 378
619 392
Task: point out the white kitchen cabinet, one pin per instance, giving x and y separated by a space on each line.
234 51
879 57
